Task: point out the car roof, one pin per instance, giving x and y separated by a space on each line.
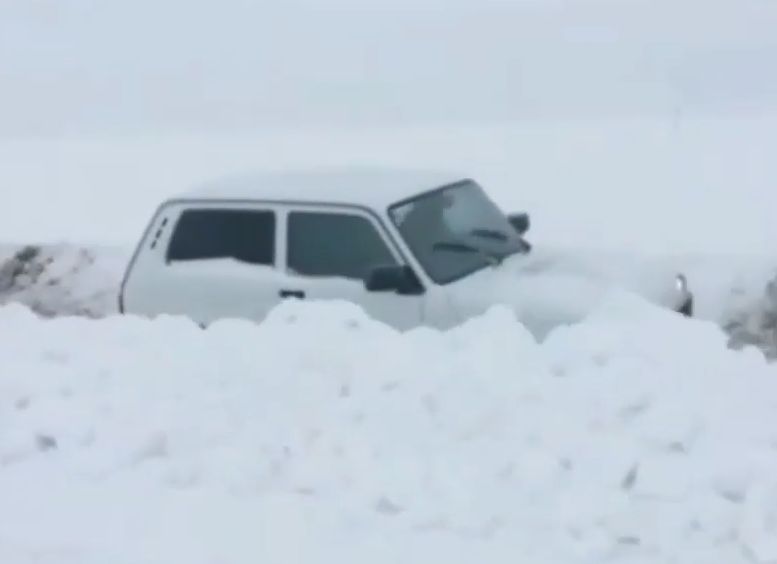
375 188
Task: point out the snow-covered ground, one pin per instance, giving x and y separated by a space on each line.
319 435
322 436
635 133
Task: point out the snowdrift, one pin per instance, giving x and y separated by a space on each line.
62 279
323 436
738 293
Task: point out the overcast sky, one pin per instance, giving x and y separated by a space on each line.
69 66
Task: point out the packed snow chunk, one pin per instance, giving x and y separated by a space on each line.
321 435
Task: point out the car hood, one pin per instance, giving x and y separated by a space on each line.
551 287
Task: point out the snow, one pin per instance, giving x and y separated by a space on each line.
374 188
549 287
638 137
62 279
735 292
322 436
635 436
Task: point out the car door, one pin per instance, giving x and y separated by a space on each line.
330 250
220 260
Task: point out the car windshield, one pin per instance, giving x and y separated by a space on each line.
455 231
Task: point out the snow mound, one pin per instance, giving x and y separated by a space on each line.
737 293
322 436
756 324
56 280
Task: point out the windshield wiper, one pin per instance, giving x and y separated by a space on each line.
459 247
493 234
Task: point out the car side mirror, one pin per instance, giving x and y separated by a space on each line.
394 278
520 222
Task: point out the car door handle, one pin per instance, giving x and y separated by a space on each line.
292 294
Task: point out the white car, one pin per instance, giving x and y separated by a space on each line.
410 247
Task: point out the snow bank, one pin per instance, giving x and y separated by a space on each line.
735 292
322 436
738 292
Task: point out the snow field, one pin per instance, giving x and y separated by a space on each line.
323 436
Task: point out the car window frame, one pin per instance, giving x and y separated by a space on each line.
172 207
337 209
204 205
419 196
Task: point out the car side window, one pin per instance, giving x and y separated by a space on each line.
244 235
334 244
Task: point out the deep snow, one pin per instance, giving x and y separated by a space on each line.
322 436
737 293
635 436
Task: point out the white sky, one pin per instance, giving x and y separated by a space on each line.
74 66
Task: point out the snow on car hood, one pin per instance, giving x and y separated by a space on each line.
551 287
